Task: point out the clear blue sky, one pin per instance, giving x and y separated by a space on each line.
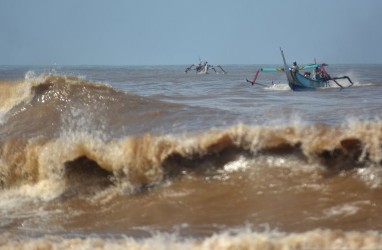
157 32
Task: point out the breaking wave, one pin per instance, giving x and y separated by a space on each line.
55 125
244 239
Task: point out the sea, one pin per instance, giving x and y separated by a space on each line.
149 157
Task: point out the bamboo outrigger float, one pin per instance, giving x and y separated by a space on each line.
306 81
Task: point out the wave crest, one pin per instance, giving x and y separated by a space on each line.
141 161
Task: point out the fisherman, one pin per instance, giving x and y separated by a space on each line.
318 75
294 67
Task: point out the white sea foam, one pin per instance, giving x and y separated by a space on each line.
244 239
371 176
238 165
279 86
344 210
30 74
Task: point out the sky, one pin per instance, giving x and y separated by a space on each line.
179 32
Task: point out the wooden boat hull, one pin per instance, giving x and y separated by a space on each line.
301 83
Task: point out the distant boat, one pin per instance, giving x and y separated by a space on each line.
306 81
203 67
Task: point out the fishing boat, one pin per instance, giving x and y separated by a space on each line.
203 68
307 80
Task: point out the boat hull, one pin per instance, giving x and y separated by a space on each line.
301 83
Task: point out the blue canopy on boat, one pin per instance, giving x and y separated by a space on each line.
311 66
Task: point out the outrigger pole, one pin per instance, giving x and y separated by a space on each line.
329 77
335 78
254 78
285 69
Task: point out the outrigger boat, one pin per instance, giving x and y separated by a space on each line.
306 81
203 67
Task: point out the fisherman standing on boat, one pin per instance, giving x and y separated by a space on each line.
294 67
318 75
